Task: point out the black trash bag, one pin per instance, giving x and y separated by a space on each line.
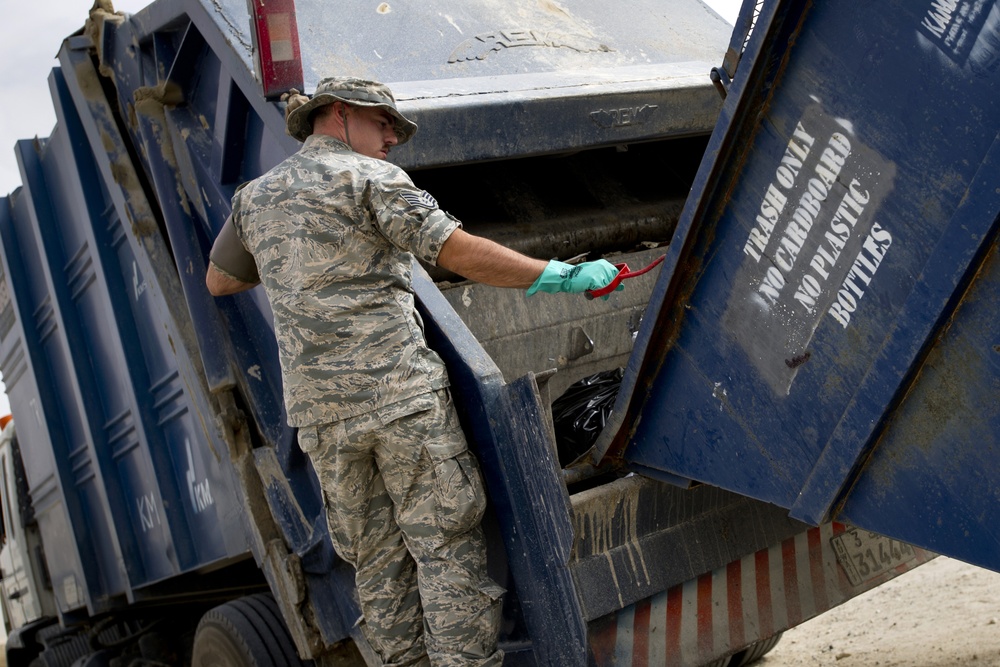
579 415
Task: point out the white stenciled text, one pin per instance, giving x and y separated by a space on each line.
800 225
834 239
774 201
860 276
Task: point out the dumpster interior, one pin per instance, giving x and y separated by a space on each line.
617 203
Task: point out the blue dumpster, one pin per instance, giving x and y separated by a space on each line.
823 335
123 462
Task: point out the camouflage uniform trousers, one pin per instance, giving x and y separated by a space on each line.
404 501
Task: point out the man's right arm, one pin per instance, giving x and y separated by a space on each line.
484 261
231 268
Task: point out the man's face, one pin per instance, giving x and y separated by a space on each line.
371 130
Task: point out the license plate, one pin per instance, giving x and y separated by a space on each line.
865 555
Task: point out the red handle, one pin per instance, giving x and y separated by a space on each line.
623 274
610 287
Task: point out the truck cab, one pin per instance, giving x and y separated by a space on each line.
27 592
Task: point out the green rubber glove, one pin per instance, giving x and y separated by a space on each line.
562 277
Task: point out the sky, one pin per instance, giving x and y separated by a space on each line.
30 38
29 41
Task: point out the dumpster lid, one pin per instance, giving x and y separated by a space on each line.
836 220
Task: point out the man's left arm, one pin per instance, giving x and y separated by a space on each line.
220 284
231 268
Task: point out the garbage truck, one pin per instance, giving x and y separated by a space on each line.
797 403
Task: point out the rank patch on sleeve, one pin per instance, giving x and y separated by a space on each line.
424 199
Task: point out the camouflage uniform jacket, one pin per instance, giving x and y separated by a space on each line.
332 234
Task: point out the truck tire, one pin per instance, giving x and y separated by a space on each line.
754 652
61 648
248 632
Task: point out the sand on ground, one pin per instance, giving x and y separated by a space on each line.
943 613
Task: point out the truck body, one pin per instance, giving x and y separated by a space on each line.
164 511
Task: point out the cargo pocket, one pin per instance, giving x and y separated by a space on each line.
315 442
458 487
493 592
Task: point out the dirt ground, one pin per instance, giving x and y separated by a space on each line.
943 613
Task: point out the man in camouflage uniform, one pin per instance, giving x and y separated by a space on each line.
330 233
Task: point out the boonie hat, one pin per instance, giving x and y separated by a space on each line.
351 91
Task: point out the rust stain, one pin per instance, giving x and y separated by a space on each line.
553 8
107 142
798 360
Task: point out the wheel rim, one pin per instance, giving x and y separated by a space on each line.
215 647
